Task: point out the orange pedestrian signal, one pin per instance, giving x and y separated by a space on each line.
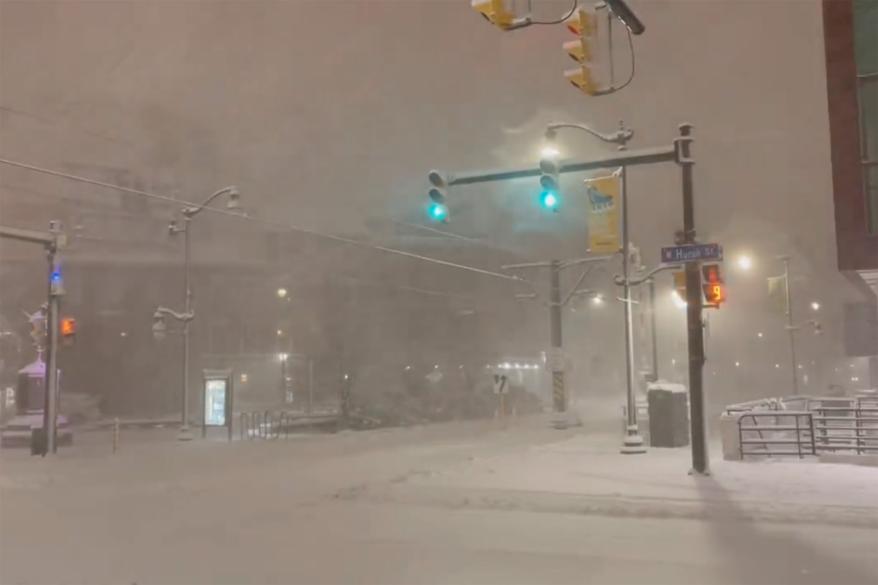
68 330
714 293
713 286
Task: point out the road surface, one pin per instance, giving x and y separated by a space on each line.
358 508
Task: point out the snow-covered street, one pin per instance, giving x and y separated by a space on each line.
454 503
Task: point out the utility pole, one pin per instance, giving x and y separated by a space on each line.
694 323
559 395
557 301
187 309
791 329
310 385
654 374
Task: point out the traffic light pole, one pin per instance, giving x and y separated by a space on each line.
680 153
52 241
694 322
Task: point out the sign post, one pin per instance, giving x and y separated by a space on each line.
501 388
217 401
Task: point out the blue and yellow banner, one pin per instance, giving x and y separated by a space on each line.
604 199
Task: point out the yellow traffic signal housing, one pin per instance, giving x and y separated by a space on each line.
680 283
495 12
579 50
581 78
582 23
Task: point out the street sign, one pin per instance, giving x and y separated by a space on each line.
501 384
692 253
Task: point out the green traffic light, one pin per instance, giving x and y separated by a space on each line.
438 212
549 200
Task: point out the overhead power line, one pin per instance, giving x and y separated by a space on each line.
279 225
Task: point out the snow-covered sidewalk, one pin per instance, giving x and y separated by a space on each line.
586 474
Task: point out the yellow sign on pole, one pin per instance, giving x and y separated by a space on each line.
603 214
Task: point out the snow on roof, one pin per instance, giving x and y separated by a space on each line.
36 369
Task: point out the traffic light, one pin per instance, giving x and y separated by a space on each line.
68 331
495 12
584 25
713 286
438 208
550 184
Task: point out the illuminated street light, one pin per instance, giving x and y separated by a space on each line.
759 335
597 300
549 151
744 262
281 293
815 306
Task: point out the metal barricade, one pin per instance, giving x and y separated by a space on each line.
776 432
846 424
265 424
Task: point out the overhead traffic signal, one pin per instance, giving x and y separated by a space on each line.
438 192
550 184
713 286
583 24
495 12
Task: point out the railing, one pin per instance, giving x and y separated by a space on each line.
776 432
803 425
846 424
265 425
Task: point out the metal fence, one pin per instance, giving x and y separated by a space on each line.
804 425
265 424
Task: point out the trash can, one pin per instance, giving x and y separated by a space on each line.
668 415
38 441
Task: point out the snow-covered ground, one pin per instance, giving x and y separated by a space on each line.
456 503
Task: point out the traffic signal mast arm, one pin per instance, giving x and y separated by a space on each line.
620 280
631 157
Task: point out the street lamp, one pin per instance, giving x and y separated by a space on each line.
549 151
633 442
744 262
281 293
815 306
188 314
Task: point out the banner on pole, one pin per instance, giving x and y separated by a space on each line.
604 194
777 293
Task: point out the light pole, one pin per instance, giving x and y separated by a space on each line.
791 329
188 313
633 441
